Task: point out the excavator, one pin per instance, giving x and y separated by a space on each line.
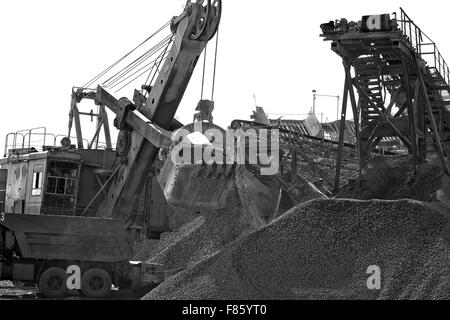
72 209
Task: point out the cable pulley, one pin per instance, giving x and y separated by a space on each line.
209 19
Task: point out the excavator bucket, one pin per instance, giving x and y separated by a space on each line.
189 179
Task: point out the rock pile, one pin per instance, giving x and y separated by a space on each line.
322 249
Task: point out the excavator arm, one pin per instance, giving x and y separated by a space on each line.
139 140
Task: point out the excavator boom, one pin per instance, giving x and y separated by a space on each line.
139 141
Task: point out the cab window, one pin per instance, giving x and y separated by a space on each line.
38 171
62 178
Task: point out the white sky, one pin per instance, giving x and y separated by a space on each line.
268 48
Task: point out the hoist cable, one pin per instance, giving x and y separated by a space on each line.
215 66
160 58
159 64
124 57
123 79
90 82
204 68
147 81
134 79
137 62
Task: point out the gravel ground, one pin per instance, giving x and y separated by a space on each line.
322 249
9 291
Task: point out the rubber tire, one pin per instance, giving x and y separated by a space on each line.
96 292
46 276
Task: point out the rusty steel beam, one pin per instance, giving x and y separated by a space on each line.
440 150
97 133
156 135
75 115
421 143
341 137
384 116
411 117
348 77
106 129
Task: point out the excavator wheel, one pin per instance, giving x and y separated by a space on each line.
96 283
53 283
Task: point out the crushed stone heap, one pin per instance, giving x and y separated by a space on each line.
322 249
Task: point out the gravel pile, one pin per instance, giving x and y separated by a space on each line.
199 235
204 236
322 249
179 221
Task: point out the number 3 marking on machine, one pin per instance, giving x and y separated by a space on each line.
2 216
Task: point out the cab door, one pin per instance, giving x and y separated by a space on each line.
34 186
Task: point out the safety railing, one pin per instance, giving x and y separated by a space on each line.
36 138
25 139
425 47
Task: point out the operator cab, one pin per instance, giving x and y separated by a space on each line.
53 181
67 181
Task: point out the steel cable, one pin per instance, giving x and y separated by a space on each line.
215 66
136 63
162 56
101 74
